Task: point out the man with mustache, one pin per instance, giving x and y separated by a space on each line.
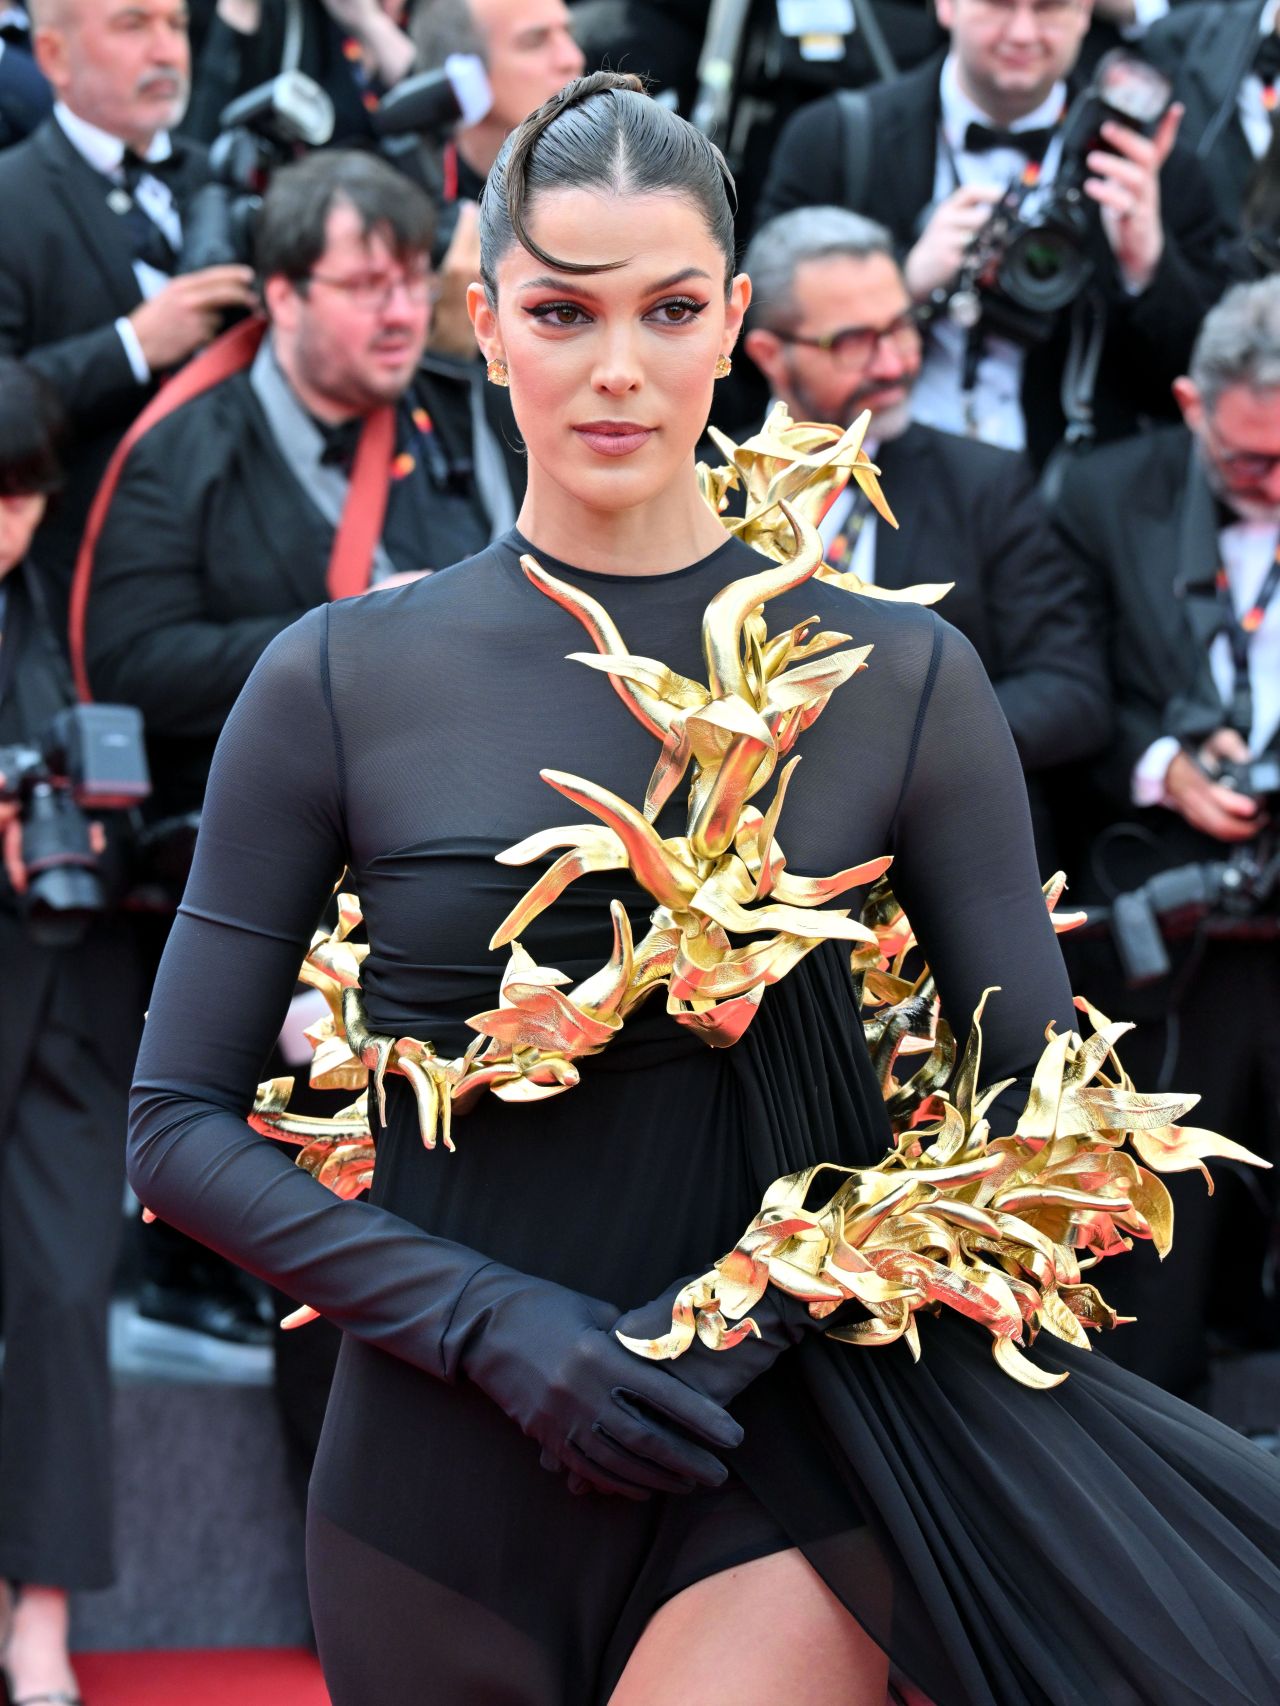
1180 533
833 330
93 204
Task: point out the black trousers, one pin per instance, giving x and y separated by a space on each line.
69 1022
1222 1041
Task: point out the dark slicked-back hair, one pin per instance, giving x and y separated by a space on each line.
601 132
31 423
290 234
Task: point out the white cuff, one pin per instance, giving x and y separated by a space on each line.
1145 13
1146 785
133 349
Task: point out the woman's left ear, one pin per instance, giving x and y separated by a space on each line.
484 322
735 310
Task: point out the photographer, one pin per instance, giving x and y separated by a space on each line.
959 131
529 54
354 49
234 513
69 1019
93 205
1180 531
832 329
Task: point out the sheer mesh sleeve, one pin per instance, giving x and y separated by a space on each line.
965 869
271 847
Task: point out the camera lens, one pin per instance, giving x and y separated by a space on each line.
1044 268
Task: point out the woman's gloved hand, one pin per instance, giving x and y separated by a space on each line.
549 1358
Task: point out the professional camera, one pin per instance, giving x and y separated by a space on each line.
92 759
1036 253
257 132
1258 778
434 102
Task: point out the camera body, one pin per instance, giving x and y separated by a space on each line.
1036 253
92 759
1257 778
257 132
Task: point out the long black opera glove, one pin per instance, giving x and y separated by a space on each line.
549 1358
722 1375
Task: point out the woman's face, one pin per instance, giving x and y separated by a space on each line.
612 372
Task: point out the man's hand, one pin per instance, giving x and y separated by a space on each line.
936 258
382 39
242 16
451 332
1208 805
1126 186
11 845
187 313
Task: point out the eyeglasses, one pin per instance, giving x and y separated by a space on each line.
1247 467
1049 14
855 346
371 293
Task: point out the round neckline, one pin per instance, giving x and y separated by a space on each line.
519 545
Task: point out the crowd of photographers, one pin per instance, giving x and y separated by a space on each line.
1035 237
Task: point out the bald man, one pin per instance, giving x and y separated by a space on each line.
92 204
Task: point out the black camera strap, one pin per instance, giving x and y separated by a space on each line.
1240 631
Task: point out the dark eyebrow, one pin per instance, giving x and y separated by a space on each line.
550 282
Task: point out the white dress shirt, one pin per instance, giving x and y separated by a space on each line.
1248 549
1255 120
992 411
105 153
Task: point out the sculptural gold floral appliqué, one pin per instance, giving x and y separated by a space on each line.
999 1229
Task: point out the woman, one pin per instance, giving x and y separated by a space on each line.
994 1544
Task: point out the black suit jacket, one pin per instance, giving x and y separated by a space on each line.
210 549
969 513
1206 51
1142 520
1149 337
66 276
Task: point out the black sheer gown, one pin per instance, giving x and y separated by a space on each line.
1096 1545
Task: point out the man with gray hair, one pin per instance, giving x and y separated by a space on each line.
1180 531
833 330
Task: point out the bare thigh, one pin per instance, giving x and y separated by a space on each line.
770 1629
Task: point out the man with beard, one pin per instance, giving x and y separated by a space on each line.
228 515
833 330
93 203
1180 531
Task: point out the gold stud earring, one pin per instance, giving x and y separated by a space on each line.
724 367
497 373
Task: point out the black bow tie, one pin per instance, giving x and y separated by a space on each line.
1266 62
982 138
340 441
133 167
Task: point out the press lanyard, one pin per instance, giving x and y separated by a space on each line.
1240 631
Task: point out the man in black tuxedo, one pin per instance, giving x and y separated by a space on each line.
1224 63
1180 532
70 1016
967 512
93 225
224 520
930 154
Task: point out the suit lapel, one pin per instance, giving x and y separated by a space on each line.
906 134
1195 564
84 192
897 548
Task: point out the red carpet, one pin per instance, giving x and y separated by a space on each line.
262 1677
